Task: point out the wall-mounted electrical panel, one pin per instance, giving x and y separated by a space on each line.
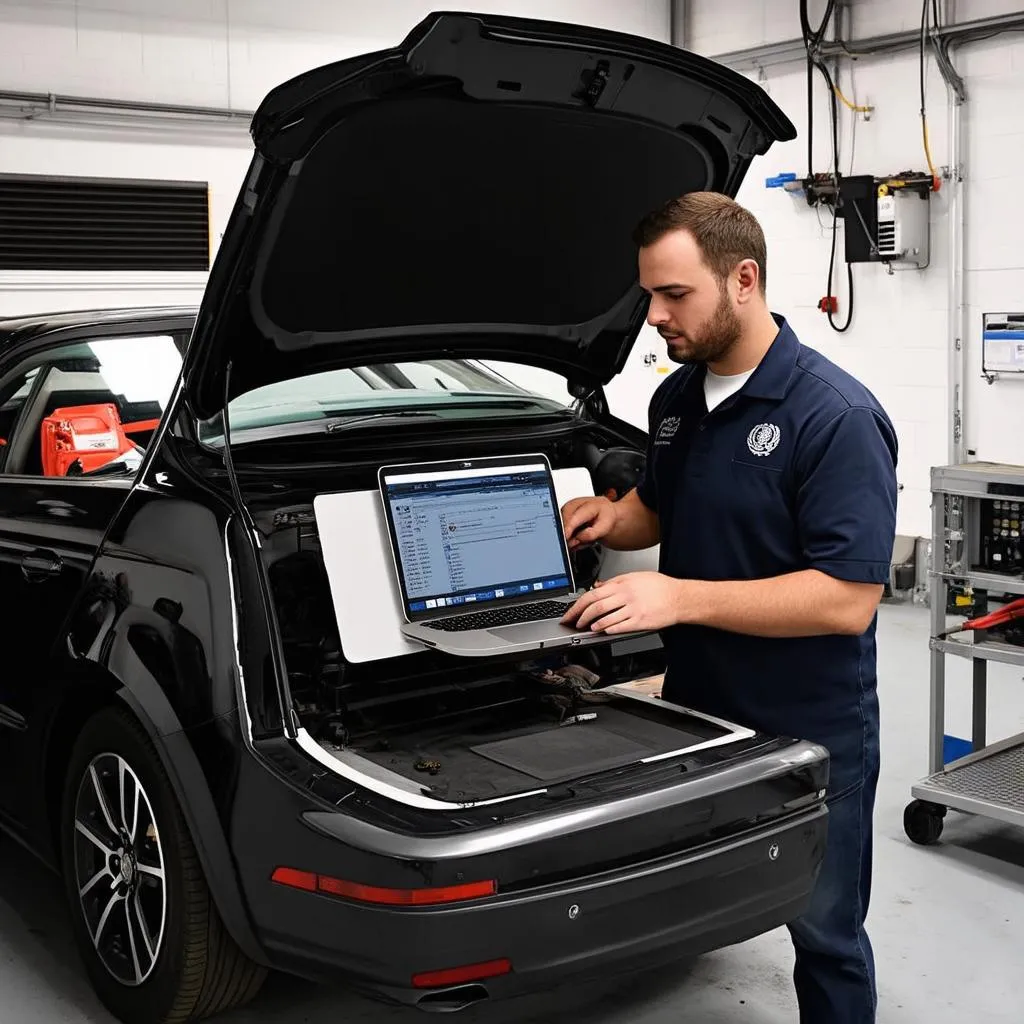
1002 344
903 228
886 219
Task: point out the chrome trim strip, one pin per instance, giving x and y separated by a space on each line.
243 700
406 794
390 784
721 741
372 839
734 732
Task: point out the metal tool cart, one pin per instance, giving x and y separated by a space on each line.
976 570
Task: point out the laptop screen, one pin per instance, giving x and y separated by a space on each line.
474 533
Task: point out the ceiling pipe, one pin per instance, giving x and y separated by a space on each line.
110 113
28 106
956 100
943 39
792 51
677 23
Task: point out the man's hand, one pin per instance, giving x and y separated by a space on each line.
624 525
803 603
635 601
587 520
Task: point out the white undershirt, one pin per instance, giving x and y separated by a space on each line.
717 389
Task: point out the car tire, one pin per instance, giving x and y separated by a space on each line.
144 921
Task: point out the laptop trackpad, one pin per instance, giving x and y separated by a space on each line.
525 632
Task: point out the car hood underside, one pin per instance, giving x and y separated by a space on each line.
471 192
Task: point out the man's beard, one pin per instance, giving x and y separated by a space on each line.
712 340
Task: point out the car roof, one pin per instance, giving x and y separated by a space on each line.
21 329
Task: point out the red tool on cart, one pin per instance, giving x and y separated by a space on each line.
1000 617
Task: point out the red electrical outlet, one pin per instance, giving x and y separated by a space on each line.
829 304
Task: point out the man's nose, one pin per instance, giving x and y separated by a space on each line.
657 312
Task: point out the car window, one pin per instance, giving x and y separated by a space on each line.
12 397
87 409
441 388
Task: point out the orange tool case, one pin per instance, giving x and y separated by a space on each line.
91 434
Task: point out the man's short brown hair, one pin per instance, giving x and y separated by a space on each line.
725 232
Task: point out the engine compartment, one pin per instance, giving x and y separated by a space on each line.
464 729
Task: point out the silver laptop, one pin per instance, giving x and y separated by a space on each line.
482 563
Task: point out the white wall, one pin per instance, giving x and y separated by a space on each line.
230 52
213 53
61 150
897 343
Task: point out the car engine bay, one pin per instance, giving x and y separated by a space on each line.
466 730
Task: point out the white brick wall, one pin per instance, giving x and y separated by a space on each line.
229 52
897 344
49 150
719 26
215 53
994 261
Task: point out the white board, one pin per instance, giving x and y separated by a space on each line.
364 590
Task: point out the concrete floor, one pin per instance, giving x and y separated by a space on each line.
946 921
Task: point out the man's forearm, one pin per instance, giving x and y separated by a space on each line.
636 526
806 603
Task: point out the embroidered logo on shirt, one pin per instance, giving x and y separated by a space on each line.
764 439
667 430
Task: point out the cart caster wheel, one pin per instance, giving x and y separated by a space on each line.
923 822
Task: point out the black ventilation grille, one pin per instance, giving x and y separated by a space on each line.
50 223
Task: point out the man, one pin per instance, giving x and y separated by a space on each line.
770 486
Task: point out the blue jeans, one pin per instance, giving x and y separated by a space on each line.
835 968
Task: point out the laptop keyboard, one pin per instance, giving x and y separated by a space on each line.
502 616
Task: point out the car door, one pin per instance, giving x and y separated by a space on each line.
55 507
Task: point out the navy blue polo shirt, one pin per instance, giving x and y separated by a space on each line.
795 471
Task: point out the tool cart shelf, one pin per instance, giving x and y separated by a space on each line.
977 518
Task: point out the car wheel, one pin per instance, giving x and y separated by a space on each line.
147 929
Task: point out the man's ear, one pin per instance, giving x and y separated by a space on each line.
748 277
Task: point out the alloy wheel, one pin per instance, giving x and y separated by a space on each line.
119 869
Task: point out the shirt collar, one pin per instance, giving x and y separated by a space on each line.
771 378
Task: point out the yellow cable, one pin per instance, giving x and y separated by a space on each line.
927 146
852 106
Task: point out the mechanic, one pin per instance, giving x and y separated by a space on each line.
770 486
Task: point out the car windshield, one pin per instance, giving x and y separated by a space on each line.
328 401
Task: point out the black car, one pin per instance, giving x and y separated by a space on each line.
185 739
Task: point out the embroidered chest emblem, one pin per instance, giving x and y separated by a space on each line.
764 439
668 429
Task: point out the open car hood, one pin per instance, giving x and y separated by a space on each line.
469 193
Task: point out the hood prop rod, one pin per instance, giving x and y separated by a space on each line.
288 714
